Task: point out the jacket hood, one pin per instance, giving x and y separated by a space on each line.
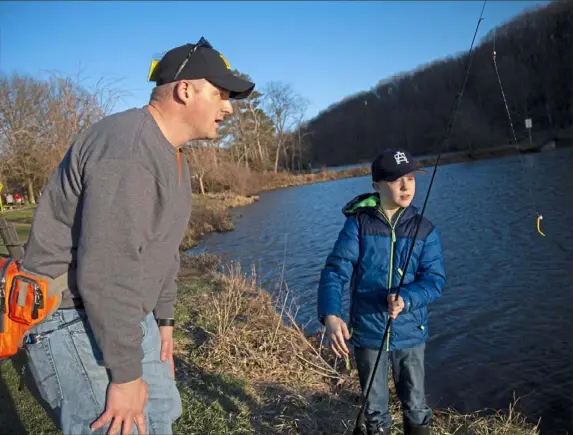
369 203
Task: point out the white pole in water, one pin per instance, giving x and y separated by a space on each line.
528 125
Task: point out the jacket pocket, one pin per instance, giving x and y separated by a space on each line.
409 328
369 314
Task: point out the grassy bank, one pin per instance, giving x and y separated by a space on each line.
242 369
22 220
263 371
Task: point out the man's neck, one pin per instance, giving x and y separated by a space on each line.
172 128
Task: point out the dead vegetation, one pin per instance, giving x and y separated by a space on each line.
290 383
250 339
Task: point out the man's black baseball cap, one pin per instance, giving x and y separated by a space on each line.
392 164
199 61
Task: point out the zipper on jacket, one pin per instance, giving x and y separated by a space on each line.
3 296
392 243
3 310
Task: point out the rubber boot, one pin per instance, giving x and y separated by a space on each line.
412 429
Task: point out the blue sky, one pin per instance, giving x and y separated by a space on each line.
325 50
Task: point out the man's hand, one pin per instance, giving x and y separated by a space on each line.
395 306
166 333
337 331
125 403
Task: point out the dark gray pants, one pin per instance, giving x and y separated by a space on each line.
408 374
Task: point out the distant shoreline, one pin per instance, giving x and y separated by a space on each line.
217 218
476 155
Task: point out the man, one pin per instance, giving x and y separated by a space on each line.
112 218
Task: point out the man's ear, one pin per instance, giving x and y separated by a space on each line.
183 91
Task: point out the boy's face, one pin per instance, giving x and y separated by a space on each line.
398 193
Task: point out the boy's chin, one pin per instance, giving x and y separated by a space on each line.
404 203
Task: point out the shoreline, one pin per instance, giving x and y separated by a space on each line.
221 203
296 380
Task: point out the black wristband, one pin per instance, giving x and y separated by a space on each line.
166 322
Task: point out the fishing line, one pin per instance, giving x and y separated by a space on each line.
520 153
359 418
494 57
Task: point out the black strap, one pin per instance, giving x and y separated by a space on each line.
166 322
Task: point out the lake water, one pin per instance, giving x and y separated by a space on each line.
503 325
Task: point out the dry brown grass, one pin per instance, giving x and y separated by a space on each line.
271 181
298 387
251 340
234 179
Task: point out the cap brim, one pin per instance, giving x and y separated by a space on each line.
238 88
402 173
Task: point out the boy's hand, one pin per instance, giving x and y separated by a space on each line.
395 306
337 331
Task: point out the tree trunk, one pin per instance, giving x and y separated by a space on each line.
30 188
285 155
201 186
277 158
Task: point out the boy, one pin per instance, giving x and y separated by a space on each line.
370 253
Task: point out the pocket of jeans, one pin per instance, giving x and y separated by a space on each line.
40 363
144 328
84 340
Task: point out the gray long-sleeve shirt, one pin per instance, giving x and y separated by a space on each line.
113 214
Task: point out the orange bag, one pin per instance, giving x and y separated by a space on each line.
25 301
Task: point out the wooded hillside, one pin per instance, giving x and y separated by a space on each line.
266 134
413 109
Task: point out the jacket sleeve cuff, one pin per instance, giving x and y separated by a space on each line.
164 310
405 295
322 317
126 373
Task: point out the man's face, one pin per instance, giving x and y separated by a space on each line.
397 193
207 109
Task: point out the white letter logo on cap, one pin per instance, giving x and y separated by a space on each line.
400 157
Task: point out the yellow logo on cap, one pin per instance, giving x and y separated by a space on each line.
225 60
152 70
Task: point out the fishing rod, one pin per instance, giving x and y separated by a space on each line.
359 418
514 137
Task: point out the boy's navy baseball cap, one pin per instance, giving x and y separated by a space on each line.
199 61
392 164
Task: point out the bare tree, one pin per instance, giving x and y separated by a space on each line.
39 121
284 107
21 129
203 162
248 132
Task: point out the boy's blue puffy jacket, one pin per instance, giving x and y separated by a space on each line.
367 250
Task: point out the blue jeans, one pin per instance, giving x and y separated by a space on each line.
67 368
408 374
